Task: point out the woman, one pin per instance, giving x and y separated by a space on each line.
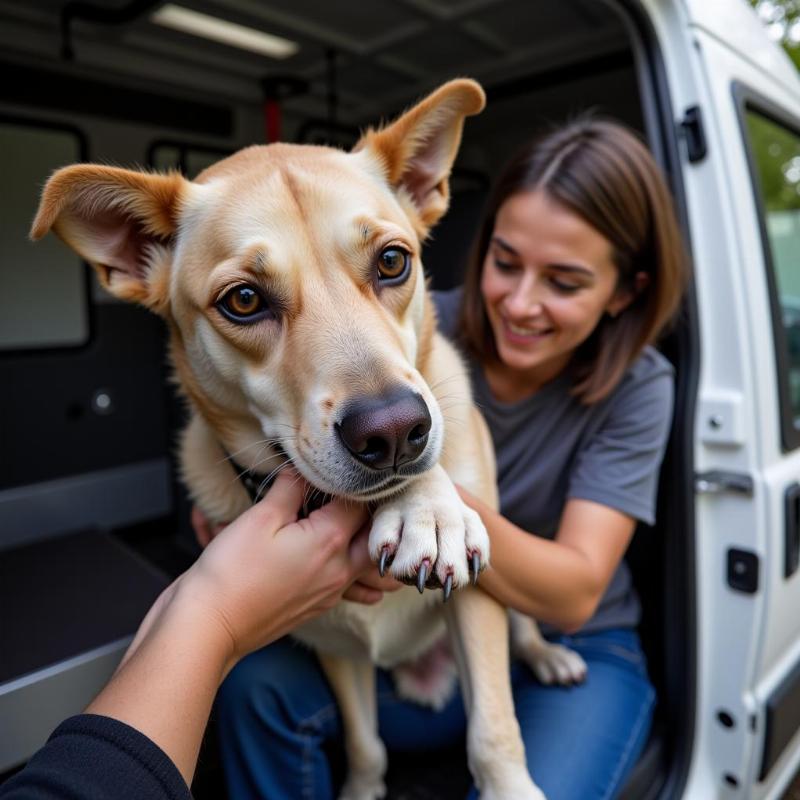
578 268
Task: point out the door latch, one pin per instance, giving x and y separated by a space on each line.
693 132
717 481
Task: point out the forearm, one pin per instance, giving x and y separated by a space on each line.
545 579
167 682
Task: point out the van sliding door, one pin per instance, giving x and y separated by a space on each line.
744 194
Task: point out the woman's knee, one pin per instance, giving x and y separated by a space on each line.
282 680
581 741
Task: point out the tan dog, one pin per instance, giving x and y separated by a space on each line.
290 277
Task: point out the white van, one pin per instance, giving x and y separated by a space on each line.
92 522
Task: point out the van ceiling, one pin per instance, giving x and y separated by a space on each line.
386 52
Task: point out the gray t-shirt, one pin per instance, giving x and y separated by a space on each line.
550 448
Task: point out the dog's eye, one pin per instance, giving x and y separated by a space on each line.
243 304
393 265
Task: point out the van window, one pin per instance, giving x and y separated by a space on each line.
775 158
44 298
188 159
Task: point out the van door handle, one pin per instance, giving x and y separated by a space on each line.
717 481
791 558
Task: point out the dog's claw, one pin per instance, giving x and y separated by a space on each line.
448 587
384 558
422 575
475 567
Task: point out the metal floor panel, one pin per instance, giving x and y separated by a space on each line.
69 595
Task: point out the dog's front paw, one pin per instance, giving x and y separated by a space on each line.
524 789
428 537
357 788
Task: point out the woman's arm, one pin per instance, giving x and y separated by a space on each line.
261 577
611 483
560 581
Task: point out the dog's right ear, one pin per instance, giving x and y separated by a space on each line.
122 222
418 149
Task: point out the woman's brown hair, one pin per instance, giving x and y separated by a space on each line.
602 172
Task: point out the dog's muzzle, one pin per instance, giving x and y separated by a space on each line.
386 431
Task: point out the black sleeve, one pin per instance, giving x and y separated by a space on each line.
91 757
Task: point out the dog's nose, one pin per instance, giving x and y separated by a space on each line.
386 431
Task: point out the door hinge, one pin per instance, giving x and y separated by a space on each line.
717 481
691 129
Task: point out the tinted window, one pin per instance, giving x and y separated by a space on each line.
189 160
775 152
43 289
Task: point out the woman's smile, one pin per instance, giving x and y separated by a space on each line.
522 334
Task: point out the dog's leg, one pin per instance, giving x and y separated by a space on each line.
550 663
478 628
353 684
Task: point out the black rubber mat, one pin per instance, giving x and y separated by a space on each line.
65 596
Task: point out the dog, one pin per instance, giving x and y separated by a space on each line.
302 331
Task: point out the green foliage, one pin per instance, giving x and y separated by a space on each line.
777 155
782 19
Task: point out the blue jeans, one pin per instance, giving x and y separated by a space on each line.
276 712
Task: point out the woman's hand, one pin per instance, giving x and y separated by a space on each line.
369 587
204 530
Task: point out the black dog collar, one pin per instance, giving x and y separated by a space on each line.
255 485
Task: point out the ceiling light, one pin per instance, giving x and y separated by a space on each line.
183 19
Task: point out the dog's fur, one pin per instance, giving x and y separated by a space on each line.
306 226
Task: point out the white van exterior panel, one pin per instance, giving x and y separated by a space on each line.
735 25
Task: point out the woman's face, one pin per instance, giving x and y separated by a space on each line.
547 280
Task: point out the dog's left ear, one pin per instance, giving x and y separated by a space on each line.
418 149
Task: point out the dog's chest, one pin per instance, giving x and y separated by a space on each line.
401 627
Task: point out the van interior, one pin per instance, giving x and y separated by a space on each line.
93 519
